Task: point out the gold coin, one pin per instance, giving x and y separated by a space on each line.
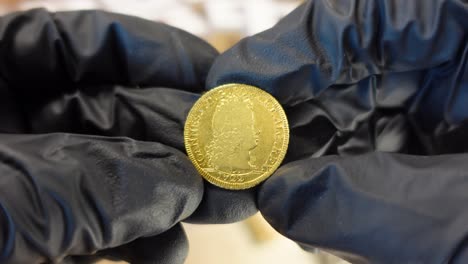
236 135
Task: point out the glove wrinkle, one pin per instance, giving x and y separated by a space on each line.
147 115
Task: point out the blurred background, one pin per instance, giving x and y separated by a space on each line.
222 23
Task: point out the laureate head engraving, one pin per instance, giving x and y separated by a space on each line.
233 137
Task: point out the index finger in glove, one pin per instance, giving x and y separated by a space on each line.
53 50
374 208
359 76
79 72
332 42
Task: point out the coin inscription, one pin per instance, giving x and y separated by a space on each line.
236 135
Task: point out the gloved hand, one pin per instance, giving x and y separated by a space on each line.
91 146
375 91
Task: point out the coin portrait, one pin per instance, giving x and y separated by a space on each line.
233 136
236 135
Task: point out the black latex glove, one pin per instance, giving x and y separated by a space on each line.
360 77
113 180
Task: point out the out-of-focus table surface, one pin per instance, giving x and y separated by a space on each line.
249 242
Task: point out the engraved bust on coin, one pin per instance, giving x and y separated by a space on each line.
236 135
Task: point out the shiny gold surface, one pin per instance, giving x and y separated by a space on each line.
236 135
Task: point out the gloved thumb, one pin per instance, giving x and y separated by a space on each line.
374 208
63 194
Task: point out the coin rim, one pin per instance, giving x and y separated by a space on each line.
258 180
